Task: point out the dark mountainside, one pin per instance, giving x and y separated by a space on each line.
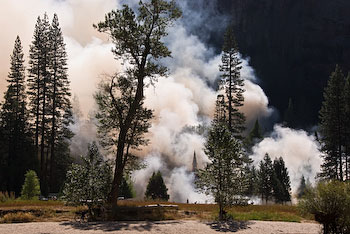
292 45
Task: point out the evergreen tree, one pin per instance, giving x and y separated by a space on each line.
137 36
252 181
225 176
50 104
347 126
31 186
332 126
289 115
281 181
232 83
126 188
60 108
16 139
253 137
38 82
265 178
156 188
302 187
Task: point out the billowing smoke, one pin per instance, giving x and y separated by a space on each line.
299 150
183 100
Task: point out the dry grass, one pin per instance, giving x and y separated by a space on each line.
32 203
135 210
20 217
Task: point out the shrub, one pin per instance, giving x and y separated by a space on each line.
5 196
31 186
90 183
20 217
330 203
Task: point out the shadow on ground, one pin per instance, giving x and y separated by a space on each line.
117 225
228 226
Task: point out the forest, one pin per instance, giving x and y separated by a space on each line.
37 119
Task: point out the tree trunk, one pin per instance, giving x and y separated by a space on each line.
119 166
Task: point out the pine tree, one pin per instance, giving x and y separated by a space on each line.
225 177
265 178
332 126
50 104
60 106
302 187
156 188
14 124
347 126
232 83
38 83
289 115
281 181
31 186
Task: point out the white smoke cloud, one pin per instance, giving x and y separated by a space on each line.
299 150
184 99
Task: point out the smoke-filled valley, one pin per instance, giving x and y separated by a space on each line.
183 103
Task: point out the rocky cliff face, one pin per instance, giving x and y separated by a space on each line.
293 45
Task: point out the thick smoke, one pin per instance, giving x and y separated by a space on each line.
183 100
299 150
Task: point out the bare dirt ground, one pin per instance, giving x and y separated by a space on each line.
168 227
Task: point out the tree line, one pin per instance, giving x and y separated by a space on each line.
36 112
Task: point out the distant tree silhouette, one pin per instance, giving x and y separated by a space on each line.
156 188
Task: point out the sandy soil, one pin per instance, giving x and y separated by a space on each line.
168 227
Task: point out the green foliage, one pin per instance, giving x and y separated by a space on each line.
225 176
31 186
89 183
16 153
330 203
281 181
49 102
265 178
332 126
126 188
303 187
156 188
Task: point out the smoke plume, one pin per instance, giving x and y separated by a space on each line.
184 99
299 150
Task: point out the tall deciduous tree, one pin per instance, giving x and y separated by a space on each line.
232 83
332 126
137 38
16 140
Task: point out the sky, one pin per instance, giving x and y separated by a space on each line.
185 98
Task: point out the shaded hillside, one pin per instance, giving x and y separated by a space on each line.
293 45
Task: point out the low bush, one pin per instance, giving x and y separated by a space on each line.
20 217
329 202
